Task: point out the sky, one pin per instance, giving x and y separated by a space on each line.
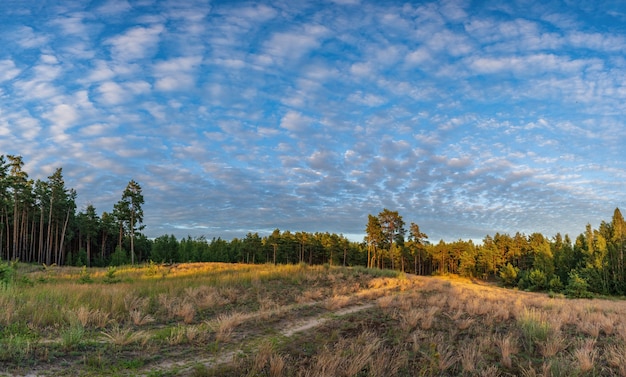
467 117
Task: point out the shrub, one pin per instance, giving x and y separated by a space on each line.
537 279
577 286
85 276
6 274
555 284
109 277
119 257
508 274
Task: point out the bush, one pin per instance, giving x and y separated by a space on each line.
577 286
85 276
508 274
537 279
7 271
119 257
110 277
555 284
81 258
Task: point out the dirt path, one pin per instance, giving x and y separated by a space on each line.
310 323
290 329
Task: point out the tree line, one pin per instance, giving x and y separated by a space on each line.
39 224
592 263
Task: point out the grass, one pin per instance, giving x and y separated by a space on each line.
262 320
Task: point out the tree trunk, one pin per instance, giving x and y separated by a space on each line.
49 236
67 219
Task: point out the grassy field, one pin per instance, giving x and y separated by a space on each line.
295 320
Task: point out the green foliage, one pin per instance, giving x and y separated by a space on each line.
109 277
535 328
72 336
152 269
577 286
81 258
555 284
16 348
537 280
508 274
85 276
7 272
119 257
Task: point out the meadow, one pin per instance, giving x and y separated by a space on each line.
212 319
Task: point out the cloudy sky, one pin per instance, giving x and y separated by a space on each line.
467 117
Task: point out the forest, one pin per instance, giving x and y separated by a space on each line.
39 223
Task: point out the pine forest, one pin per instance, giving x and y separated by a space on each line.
40 223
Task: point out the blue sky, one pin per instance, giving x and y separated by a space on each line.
467 117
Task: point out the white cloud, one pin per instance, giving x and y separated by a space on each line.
136 43
111 93
367 99
295 44
295 122
114 8
26 37
62 116
8 71
177 73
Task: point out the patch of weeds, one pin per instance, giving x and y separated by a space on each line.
131 364
94 362
72 337
15 348
200 370
161 373
534 326
7 271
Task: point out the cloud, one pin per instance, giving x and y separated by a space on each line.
8 71
111 93
136 43
177 73
26 37
467 118
295 44
114 8
295 122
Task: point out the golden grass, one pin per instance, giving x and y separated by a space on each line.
469 356
224 324
417 325
585 355
119 336
337 302
508 347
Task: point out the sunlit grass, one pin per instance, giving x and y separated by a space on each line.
410 325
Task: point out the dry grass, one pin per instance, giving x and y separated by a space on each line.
337 302
119 336
470 356
508 347
428 317
553 345
140 319
616 358
410 319
186 311
585 355
465 323
201 313
310 295
386 301
224 324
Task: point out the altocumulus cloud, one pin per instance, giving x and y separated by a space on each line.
468 118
